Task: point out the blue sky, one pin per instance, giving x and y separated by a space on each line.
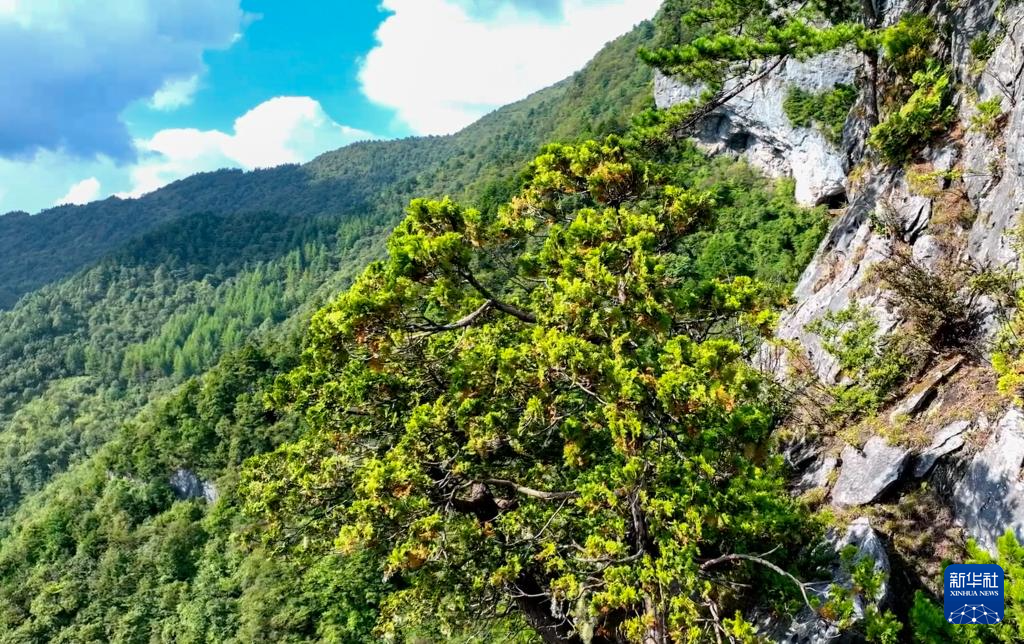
120 97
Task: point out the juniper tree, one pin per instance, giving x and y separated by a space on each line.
530 412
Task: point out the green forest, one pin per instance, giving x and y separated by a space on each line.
498 386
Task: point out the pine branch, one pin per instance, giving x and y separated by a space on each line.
504 307
462 323
532 493
767 564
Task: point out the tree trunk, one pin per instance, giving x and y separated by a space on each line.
530 598
536 609
871 21
656 633
535 606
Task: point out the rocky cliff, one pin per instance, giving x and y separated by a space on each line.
955 205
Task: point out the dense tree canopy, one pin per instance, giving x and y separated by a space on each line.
535 419
543 409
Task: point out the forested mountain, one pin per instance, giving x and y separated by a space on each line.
176 279
194 269
372 179
566 376
80 356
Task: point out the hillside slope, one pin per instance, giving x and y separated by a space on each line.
588 416
147 535
373 179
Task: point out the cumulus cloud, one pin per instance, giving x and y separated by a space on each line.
442 64
82 192
281 130
64 81
287 129
37 182
175 93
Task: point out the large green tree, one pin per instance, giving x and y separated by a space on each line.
542 411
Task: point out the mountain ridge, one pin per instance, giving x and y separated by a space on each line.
364 178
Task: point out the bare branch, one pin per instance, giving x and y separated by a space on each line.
721 98
532 493
767 564
515 312
458 324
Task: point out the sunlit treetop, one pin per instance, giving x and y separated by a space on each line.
538 411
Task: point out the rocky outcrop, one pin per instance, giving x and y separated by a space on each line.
989 500
866 474
841 272
818 475
994 166
755 125
925 391
986 167
187 485
946 441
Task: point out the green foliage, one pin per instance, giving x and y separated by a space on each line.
881 627
107 552
78 357
542 408
926 114
718 38
989 117
1008 357
874 365
928 621
907 44
755 229
983 46
866 581
920 89
827 110
941 301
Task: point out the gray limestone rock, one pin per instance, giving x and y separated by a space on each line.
948 440
922 395
994 167
989 500
755 124
187 485
841 269
817 476
865 475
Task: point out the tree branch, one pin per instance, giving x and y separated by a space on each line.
532 493
767 564
515 312
721 98
458 324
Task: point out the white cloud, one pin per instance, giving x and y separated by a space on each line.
81 193
39 181
442 78
175 93
68 69
287 129
281 130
